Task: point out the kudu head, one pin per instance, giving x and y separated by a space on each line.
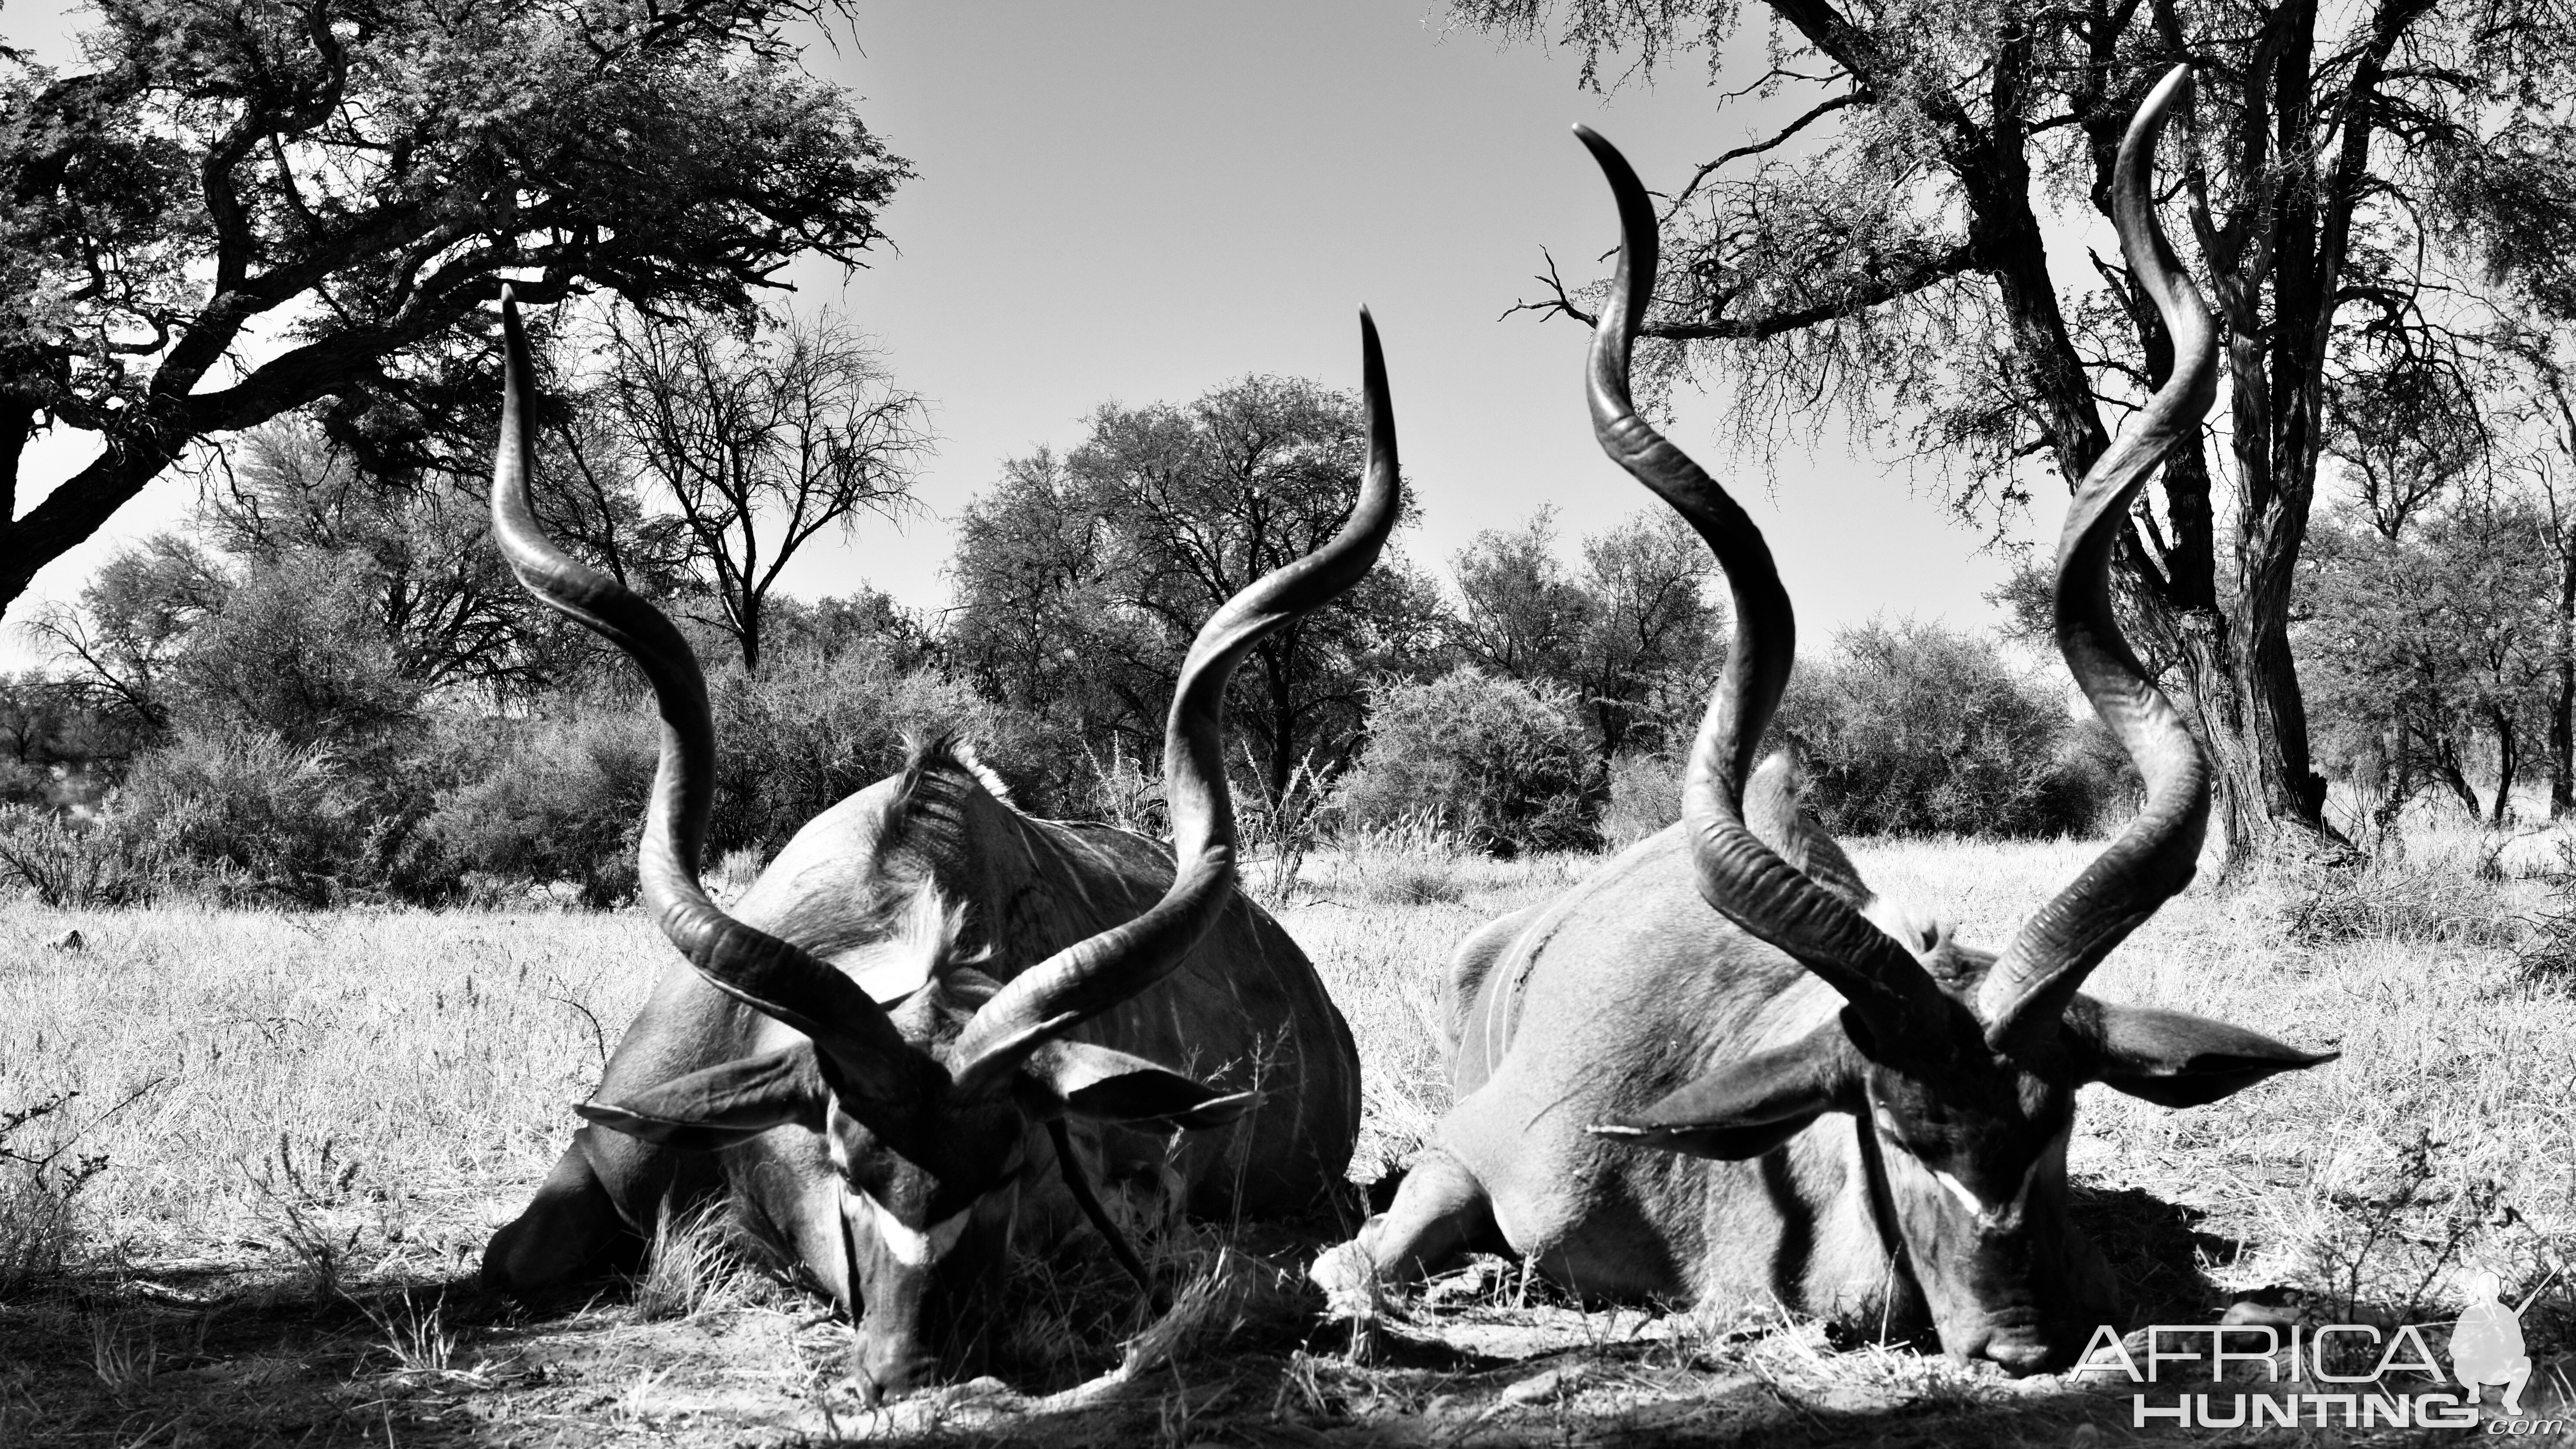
926 1109
1962 1064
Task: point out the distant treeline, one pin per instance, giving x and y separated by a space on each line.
330 689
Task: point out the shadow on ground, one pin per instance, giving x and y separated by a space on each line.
175 1359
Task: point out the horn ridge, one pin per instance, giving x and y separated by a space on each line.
1094 974
2154 858
1741 877
769 975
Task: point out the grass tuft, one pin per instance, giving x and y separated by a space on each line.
123 1361
690 1267
2393 897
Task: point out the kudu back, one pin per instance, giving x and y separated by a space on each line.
1721 1071
933 1022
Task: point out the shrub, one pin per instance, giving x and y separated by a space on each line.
1922 729
1502 766
63 863
244 815
812 727
295 651
516 803
548 800
1645 796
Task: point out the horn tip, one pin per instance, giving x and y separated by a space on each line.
2168 92
1598 144
513 330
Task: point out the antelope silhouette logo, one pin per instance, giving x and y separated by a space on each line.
2487 1346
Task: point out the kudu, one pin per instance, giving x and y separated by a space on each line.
1858 1116
1029 977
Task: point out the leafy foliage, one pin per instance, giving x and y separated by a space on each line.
1632 633
1919 729
2435 648
251 816
1645 796
559 799
794 738
294 653
1082 577
328 194
1499 765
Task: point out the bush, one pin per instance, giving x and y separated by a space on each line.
1917 729
64 863
1501 766
811 728
296 652
245 815
1645 796
547 800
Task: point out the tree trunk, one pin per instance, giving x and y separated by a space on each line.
2562 708
2444 758
2508 764
2273 765
1278 670
2251 723
2238 829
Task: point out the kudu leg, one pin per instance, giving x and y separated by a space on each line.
1439 1211
571 1231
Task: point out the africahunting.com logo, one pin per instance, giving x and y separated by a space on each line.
2335 1375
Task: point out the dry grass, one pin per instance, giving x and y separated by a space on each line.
310 1125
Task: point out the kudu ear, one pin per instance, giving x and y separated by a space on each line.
722 1105
2175 1059
1745 1108
1079 1079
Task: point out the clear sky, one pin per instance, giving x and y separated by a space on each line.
1141 199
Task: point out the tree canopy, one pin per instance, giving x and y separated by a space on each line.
756 445
1631 635
1082 577
243 207
1923 244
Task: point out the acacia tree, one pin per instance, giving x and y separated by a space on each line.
1521 614
133 623
1628 634
417 548
1082 578
758 444
2435 639
1648 657
1889 248
248 205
